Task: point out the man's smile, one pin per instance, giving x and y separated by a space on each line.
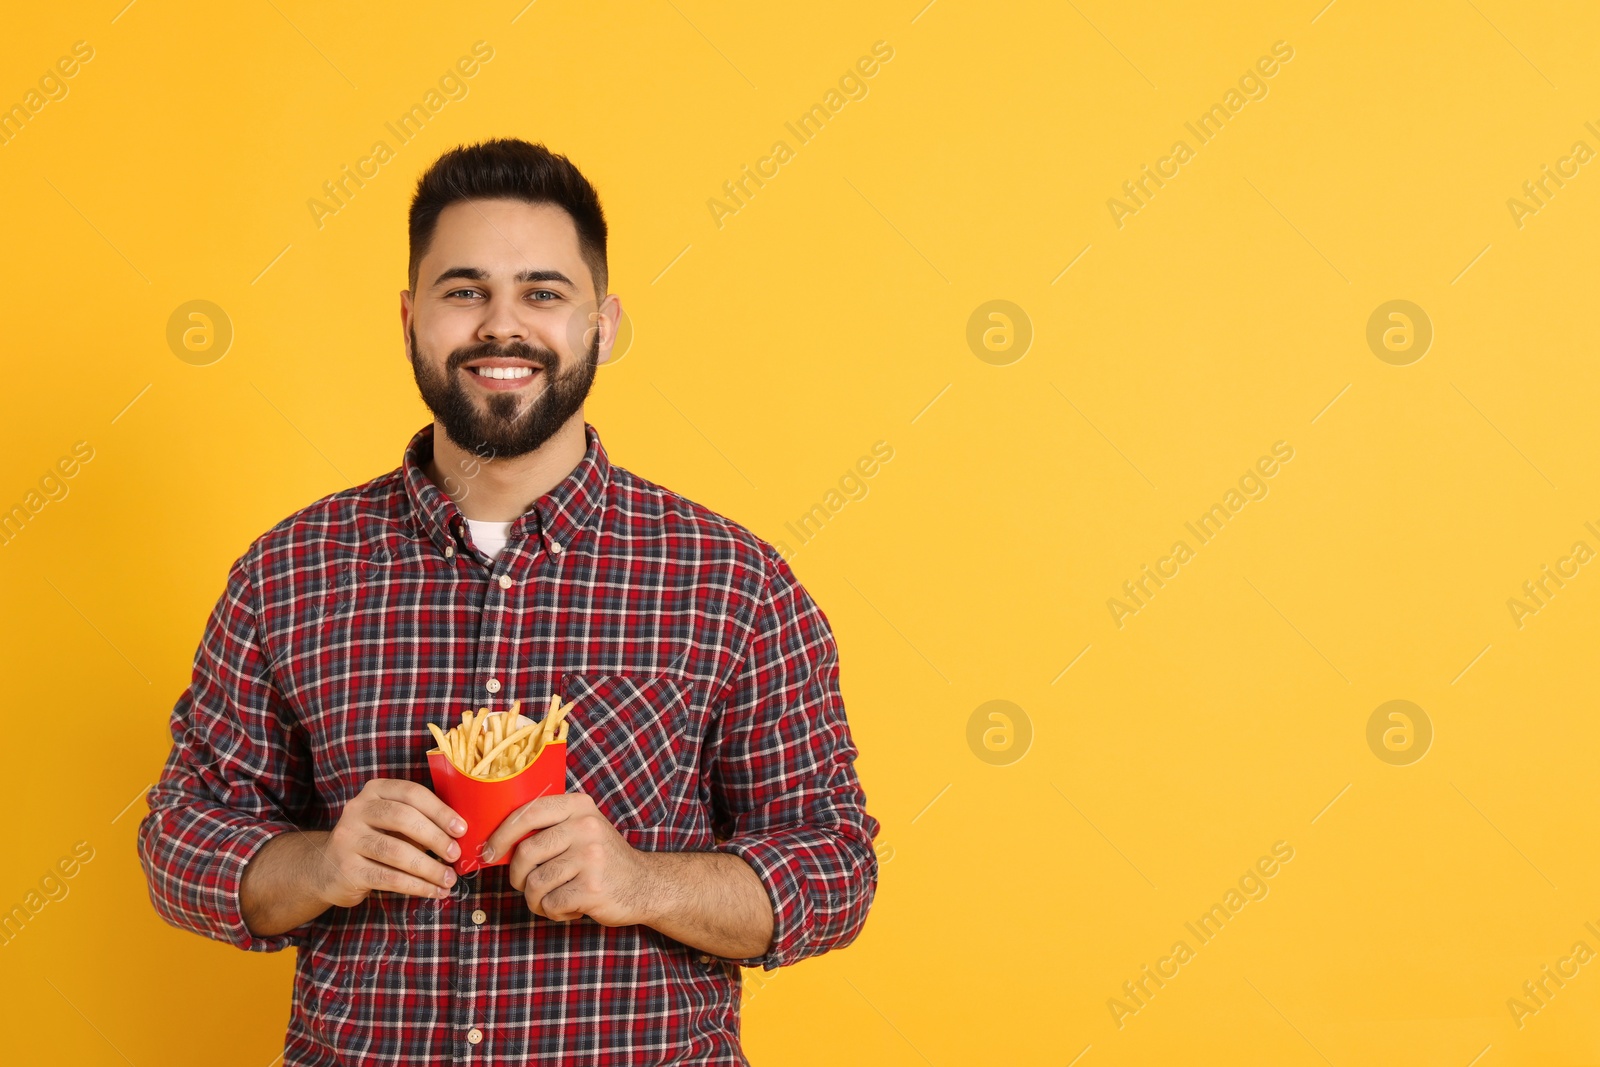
502 375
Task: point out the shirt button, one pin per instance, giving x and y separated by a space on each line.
555 546
492 685
505 581
475 1035
480 916
449 550
704 958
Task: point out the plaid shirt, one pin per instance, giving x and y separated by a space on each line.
708 719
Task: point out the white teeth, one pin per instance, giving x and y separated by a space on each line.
503 372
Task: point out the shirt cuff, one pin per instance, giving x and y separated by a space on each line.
226 877
780 871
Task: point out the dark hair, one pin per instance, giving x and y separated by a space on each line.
508 168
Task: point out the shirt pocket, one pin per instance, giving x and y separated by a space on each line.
622 750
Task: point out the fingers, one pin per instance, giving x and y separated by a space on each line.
423 799
401 817
394 881
538 849
396 821
402 867
545 880
534 815
418 845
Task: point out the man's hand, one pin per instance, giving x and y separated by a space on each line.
380 840
576 864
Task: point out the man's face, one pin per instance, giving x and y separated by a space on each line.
504 291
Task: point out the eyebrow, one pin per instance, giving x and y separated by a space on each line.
477 274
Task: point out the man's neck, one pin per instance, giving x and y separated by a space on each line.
499 490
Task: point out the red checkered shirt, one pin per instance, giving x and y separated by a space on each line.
707 719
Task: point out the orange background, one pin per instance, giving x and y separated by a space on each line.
1038 853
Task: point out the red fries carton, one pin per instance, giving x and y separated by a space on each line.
485 802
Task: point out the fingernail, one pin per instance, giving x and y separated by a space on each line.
452 851
486 852
449 877
458 827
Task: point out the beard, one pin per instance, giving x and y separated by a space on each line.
502 424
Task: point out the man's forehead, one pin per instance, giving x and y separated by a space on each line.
505 237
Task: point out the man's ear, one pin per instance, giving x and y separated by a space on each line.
609 318
405 324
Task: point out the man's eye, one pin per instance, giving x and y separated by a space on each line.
551 293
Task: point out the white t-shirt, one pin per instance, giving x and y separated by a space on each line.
489 536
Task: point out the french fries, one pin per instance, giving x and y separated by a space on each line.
492 745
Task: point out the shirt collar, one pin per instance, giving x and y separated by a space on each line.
558 515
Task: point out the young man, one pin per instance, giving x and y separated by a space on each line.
714 818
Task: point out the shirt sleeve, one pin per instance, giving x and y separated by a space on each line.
785 793
236 773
